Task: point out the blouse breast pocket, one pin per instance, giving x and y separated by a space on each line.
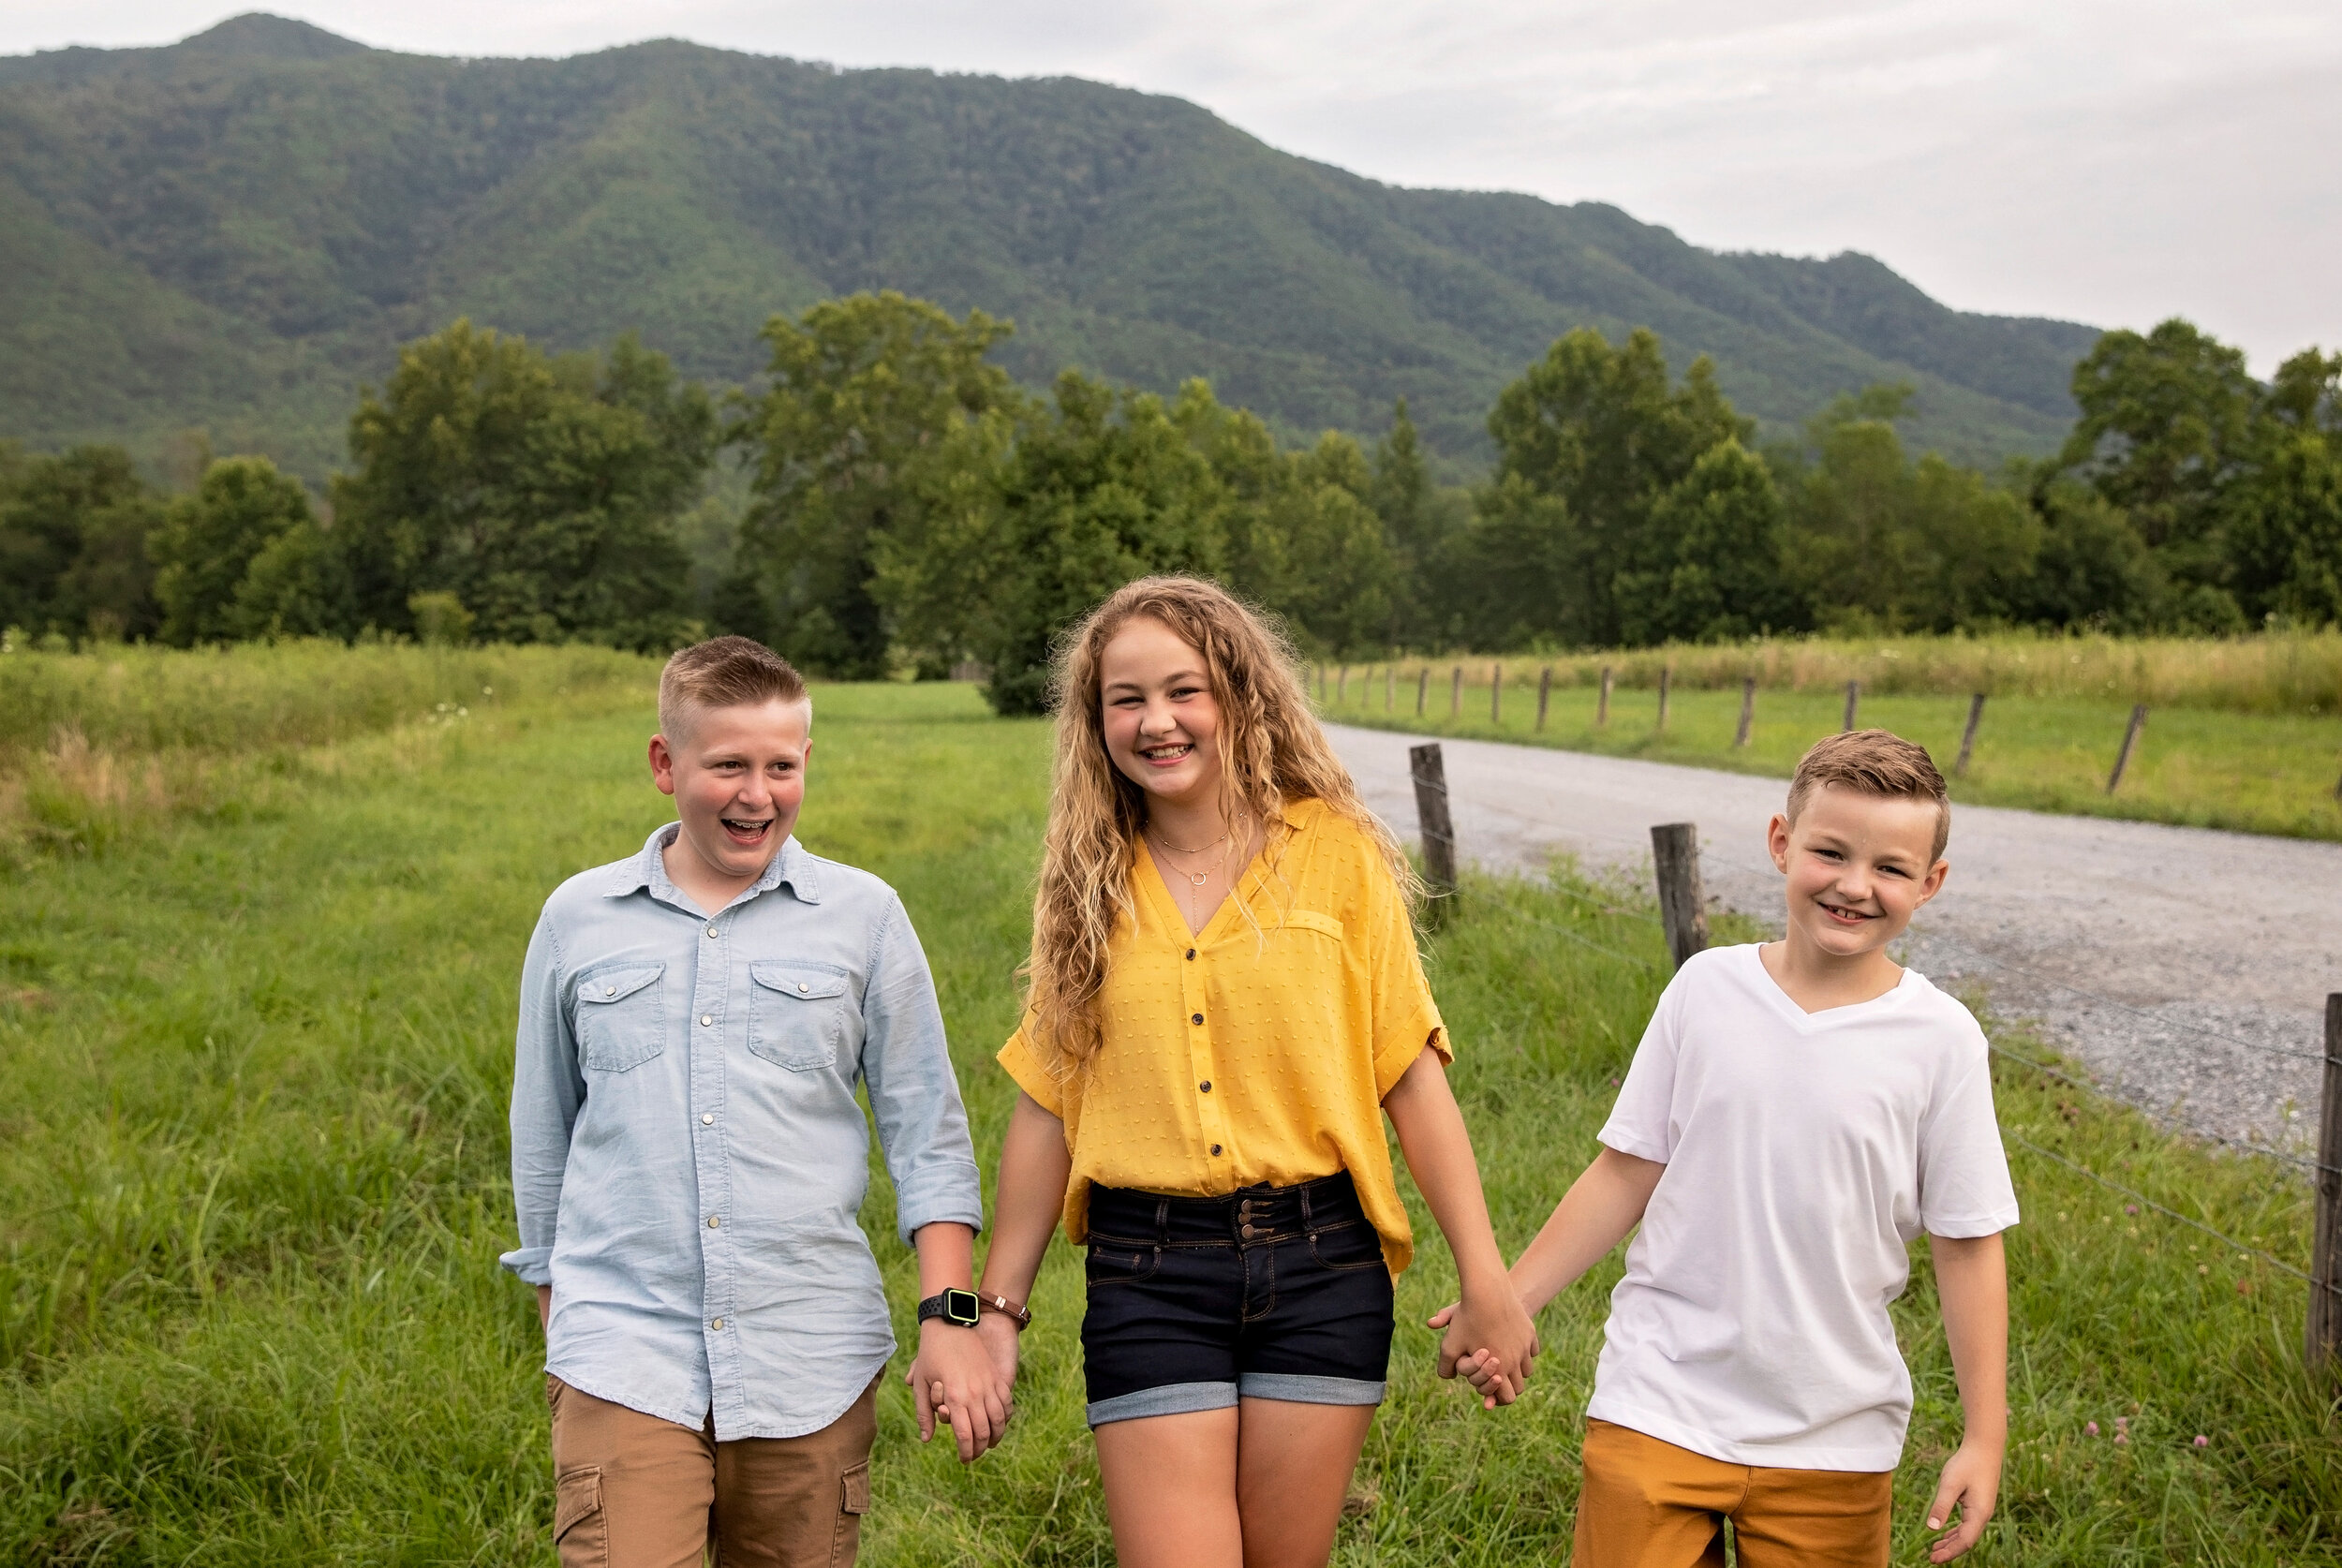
620 1021
796 1013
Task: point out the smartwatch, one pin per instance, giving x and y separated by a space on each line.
952 1306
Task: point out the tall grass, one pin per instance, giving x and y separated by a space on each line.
260 696
94 744
2280 672
252 1188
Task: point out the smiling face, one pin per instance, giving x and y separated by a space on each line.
1161 722
737 774
1859 866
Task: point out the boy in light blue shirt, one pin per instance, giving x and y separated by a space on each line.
689 1158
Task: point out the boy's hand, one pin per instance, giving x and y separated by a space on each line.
1490 1342
1971 1483
955 1376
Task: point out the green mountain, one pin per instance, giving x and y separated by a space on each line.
234 231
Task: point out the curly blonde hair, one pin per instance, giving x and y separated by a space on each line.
1271 752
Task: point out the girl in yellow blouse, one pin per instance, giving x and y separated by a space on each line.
1224 1001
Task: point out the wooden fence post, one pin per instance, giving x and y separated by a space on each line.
2325 1240
1602 704
1968 736
1438 829
1422 688
2130 740
1683 902
1748 710
1390 685
1342 686
1455 693
1496 693
1545 689
1853 700
1667 677
1320 686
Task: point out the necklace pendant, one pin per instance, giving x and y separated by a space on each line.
1199 878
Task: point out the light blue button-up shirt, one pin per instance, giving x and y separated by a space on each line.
688 1153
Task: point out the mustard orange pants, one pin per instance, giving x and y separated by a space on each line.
1649 1504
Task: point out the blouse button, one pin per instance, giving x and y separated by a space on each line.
1196 1018
1190 955
1205 1086
1215 1148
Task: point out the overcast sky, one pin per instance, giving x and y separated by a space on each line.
2108 161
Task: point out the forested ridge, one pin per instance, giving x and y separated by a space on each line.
236 232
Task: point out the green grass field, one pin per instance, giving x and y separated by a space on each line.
2253 771
253 1068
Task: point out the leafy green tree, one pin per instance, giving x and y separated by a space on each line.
73 529
2165 432
209 541
1709 566
2092 568
542 493
1034 519
1304 538
1587 439
866 392
2284 525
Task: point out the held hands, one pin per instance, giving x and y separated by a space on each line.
963 1378
1971 1484
1490 1342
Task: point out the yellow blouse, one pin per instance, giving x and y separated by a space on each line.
1253 1051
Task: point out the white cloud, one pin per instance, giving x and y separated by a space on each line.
2112 161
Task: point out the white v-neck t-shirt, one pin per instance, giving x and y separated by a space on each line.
1805 1152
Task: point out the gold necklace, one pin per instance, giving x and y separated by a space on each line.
1196 879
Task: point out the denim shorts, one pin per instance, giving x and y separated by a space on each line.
1270 1292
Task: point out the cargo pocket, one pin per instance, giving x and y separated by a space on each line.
581 1532
796 1013
853 1503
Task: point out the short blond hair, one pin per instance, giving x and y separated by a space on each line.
724 672
1880 763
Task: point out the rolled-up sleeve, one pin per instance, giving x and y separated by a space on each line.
914 1095
1405 1019
547 1091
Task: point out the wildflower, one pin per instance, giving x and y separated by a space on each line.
2203 1442
2203 1268
487 691
2089 1428
2130 1208
2243 1287
2122 1437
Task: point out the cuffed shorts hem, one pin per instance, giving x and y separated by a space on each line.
1172 1399
1299 1390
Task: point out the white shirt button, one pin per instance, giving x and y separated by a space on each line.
803 986
717 1325
707 1119
715 1222
707 1020
609 990
711 931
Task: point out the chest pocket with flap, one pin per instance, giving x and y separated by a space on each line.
620 1022
796 1013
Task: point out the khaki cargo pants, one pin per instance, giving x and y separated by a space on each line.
633 1491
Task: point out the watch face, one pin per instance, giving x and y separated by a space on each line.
960 1307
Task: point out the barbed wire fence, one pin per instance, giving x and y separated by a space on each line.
1681 923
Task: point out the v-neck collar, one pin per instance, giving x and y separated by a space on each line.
1828 1017
1154 885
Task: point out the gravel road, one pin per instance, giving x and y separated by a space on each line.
2177 963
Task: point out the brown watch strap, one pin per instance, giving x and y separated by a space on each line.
1015 1312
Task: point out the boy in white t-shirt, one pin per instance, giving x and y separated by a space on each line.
1797 1113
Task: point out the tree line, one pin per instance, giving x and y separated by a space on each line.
904 503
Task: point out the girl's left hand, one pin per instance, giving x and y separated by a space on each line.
1490 1342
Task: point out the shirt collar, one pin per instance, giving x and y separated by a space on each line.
647 869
